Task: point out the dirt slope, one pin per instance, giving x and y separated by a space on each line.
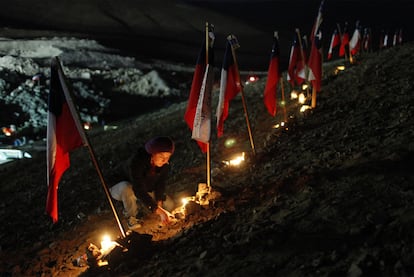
329 195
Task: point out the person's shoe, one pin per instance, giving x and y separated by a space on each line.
134 223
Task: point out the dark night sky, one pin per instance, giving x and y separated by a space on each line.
173 29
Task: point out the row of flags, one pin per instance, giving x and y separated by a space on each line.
198 111
361 40
65 132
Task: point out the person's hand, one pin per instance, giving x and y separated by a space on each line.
165 216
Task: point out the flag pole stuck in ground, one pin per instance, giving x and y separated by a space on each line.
64 134
198 111
273 76
230 86
315 57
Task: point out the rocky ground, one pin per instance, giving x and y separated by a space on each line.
330 194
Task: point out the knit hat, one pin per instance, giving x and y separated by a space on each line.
160 144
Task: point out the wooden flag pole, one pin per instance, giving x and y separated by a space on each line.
313 102
234 45
208 161
283 99
74 111
107 193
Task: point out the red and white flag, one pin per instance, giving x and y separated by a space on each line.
366 40
297 62
344 42
198 111
273 76
318 22
64 134
355 42
315 61
230 84
335 41
315 57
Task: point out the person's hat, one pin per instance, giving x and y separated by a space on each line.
160 144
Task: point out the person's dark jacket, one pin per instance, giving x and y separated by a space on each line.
146 178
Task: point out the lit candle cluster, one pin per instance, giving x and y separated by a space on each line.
236 161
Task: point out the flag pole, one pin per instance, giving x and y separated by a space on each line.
283 99
234 45
303 60
208 161
74 111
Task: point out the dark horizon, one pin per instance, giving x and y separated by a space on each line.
164 30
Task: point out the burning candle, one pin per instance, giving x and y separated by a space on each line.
107 245
301 98
235 161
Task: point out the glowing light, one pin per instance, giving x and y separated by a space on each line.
230 142
86 125
338 69
185 200
304 86
302 98
7 131
293 94
236 161
278 125
107 245
110 127
304 108
282 103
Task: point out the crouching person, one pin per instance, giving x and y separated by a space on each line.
143 190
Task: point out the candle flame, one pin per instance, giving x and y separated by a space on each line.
304 108
338 69
236 161
302 98
107 244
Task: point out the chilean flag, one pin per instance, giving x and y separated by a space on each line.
198 111
344 42
297 62
229 87
355 42
273 76
64 134
315 61
335 41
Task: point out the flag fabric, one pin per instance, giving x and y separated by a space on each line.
230 86
344 42
366 40
315 58
297 62
202 118
385 42
64 134
198 111
400 37
273 76
318 22
355 42
335 41
315 61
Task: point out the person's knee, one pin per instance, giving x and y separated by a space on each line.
121 190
